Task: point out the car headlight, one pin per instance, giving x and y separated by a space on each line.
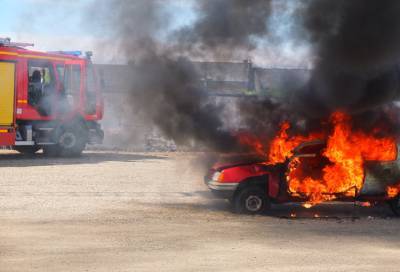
217 176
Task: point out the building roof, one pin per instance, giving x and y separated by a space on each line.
220 78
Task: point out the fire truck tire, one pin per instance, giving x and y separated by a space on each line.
72 140
395 205
27 150
251 200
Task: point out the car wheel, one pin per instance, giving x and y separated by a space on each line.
27 150
251 200
395 205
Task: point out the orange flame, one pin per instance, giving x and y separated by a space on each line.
345 153
255 143
393 191
365 204
282 146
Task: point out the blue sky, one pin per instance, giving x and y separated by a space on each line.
38 16
60 25
54 17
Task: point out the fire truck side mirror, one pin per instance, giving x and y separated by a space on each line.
89 54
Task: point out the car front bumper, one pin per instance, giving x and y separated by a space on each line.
222 190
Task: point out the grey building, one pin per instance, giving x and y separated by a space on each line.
223 80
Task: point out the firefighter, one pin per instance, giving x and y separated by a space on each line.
35 88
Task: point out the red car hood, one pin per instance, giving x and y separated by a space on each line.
233 161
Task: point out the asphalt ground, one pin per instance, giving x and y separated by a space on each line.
120 211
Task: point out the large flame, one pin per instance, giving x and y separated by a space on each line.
282 146
340 165
346 151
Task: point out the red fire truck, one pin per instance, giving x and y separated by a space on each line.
49 101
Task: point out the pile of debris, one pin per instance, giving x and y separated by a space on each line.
156 143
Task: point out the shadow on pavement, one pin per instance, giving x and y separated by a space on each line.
20 160
294 211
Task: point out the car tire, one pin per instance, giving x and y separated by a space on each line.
251 200
395 205
27 150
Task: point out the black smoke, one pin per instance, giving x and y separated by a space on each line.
165 85
357 49
228 23
355 45
165 93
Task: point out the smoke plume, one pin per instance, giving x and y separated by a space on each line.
166 94
165 86
227 24
357 47
355 43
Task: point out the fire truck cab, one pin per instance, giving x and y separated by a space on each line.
49 101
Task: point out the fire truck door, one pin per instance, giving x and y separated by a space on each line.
7 93
72 83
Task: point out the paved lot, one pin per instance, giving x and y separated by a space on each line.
110 211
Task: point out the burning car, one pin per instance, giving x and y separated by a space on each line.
343 166
251 187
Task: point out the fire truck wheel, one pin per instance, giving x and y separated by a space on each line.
27 150
251 200
395 205
72 141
